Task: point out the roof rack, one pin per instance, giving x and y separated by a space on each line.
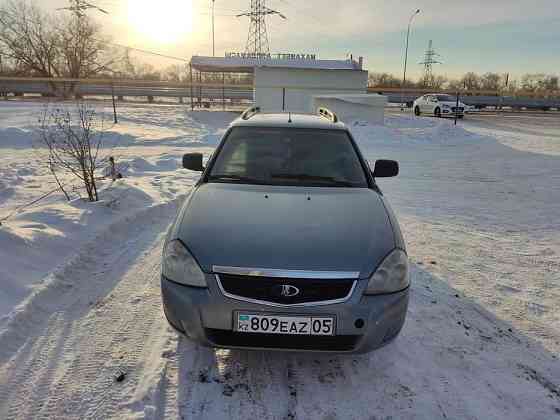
328 114
249 112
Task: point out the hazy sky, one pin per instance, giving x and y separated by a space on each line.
515 36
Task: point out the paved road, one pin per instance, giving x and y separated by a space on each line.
536 132
530 119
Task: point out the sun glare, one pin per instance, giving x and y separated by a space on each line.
165 21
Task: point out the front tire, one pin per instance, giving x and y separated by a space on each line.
417 111
437 112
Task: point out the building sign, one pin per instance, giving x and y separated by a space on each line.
265 56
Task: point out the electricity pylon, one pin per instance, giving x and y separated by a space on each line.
429 61
257 40
79 8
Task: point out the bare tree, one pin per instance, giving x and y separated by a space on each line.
177 73
73 138
433 82
82 48
539 82
28 37
40 44
383 80
490 81
471 81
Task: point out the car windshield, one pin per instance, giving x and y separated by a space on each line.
288 156
446 98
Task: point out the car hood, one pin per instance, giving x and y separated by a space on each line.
281 227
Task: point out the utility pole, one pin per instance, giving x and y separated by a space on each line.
406 57
213 36
257 40
79 8
429 61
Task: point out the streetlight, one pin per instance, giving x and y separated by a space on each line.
406 57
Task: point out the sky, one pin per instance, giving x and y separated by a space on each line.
503 36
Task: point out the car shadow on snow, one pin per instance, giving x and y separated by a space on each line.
453 359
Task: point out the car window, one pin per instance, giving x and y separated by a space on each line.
288 156
446 98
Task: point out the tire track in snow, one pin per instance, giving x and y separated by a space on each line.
67 369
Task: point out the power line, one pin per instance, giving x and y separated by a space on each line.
171 57
79 8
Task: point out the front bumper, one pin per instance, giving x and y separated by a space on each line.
206 316
452 112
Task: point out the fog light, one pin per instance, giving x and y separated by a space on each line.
359 323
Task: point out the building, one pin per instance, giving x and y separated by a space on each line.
289 82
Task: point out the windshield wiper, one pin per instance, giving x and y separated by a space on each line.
233 177
305 177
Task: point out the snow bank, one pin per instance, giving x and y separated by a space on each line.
405 130
18 138
34 243
47 294
148 147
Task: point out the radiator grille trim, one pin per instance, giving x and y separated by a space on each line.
285 305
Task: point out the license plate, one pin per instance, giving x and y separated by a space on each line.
279 324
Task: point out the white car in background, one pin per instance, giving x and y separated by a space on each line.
438 105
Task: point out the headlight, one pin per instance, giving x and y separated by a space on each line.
391 276
180 266
446 106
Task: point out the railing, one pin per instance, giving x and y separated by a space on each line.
202 93
478 98
549 94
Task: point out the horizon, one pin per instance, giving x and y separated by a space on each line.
515 37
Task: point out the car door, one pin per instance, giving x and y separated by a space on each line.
426 104
434 103
419 102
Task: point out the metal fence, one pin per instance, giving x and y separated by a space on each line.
479 99
204 94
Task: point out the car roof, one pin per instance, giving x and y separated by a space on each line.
291 120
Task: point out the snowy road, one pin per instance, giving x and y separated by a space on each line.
482 336
453 360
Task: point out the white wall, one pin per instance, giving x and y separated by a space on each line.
301 85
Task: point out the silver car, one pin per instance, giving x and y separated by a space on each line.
286 242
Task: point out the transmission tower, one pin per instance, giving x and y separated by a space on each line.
79 8
257 41
429 61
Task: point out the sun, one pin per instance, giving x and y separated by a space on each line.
163 21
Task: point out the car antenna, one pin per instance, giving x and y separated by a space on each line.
289 117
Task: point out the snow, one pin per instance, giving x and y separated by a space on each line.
35 241
79 292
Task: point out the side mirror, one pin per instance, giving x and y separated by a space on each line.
385 168
193 161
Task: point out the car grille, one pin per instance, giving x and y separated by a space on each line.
268 289
455 109
223 338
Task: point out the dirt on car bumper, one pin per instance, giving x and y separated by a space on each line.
363 323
